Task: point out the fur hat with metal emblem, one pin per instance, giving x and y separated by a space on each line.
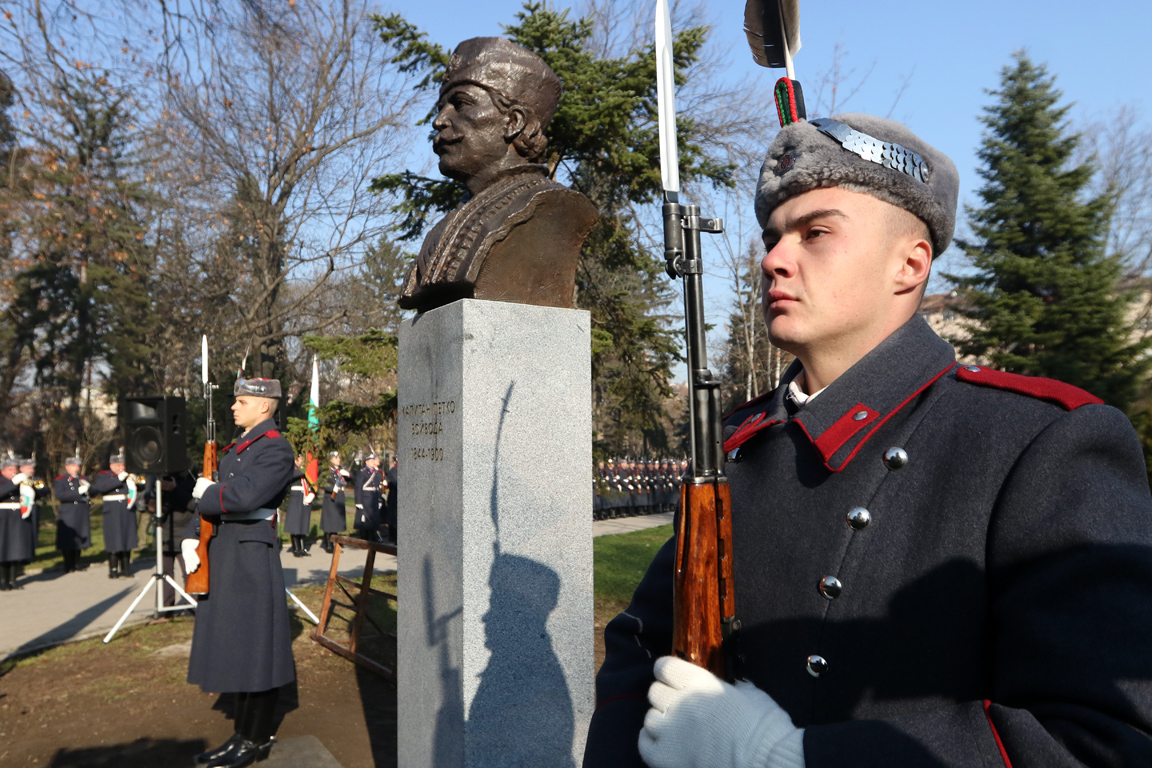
866 154
269 388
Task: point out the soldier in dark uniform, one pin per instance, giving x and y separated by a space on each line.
118 489
369 496
934 564
393 500
73 516
34 490
241 641
298 521
15 544
334 511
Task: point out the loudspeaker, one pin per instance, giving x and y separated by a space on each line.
154 437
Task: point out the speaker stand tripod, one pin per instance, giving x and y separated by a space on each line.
158 576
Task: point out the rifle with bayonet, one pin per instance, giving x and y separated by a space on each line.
703 616
197 581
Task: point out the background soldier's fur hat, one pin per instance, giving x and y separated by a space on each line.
5 463
269 388
512 71
73 460
116 458
802 158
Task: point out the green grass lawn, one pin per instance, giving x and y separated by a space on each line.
619 562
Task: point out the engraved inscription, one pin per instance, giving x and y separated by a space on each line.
425 422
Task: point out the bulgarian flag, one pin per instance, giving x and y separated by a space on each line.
312 467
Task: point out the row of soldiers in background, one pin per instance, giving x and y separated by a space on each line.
628 487
21 492
374 494
123 499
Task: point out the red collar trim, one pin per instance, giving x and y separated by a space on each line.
747 430
244 445
846 427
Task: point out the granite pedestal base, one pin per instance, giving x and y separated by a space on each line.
495 537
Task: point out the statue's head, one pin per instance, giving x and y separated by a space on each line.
495 102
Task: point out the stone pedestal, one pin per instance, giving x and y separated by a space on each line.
495 537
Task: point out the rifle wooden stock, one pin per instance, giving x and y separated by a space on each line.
704 604
197 582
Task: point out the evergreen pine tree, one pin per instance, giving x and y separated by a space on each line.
1046 298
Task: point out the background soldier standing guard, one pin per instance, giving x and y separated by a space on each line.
39 490
119 491
73 516
392 501
242 642
15 545
298 520
369 495
334 512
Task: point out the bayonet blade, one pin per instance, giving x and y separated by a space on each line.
204 359
666 103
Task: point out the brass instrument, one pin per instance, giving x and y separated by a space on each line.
140 479
39 484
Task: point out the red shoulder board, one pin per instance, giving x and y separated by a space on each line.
758 399
244 445
1064 395
60 476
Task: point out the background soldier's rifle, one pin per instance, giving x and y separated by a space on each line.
197 582
704 602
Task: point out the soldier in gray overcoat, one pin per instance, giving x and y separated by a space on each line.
298 520
36 490
73 516
118 490
392 503
242 642
334 510
369 495
15 545
935 564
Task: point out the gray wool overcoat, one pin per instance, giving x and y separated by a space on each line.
242 639
982 597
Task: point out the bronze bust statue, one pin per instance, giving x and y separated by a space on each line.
517 236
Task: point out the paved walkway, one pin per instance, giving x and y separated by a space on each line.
55 607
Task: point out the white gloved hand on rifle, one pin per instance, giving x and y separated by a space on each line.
308 497
84 486
191 559
699 721
202 484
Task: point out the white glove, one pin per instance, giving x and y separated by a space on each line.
345 473
191 559
19 478
132 483
360 506
202 484
308 497
699 721
84 485
122 476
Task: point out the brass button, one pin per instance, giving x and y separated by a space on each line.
830 587
895 458
859 518
860 415
817 665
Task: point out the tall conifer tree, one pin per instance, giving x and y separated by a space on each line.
1045 296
